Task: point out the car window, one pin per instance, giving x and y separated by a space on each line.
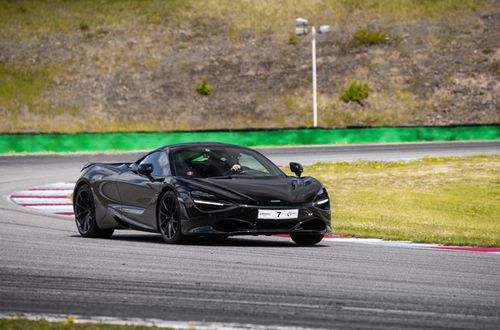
161 166
218 161
249 162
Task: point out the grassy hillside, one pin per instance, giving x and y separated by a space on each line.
68 66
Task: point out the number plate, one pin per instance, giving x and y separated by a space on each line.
278 214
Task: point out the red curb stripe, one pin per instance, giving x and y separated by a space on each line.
326 236
65 213
336 236
471 249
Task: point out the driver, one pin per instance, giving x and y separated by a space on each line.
232 162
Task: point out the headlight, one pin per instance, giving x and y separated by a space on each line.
205 201
322 201
200 201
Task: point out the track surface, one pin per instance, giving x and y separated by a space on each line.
45 267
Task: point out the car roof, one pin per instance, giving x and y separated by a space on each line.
191 144
199 144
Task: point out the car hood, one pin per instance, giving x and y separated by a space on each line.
261 191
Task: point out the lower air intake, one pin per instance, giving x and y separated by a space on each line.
228 226
314 224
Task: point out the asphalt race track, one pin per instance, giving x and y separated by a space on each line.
45 267
379 152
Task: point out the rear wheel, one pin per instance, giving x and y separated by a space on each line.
306 239
169 220
85 215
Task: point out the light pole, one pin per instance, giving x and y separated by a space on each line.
315 85
302 29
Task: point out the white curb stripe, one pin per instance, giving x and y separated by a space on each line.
378 241
27 201
43 193
53 209
59 185
51 198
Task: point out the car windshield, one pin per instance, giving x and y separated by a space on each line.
222 162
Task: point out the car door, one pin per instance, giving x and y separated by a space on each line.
139 192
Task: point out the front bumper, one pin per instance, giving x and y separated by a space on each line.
238 219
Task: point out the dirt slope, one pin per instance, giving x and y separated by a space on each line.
141 75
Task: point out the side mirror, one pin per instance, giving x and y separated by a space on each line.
145 169
296 168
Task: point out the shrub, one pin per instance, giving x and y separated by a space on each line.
487 51
204 88
84 26
355 92
495 68
367 38
293 39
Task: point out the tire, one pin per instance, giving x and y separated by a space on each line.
306 239
169 221
85 218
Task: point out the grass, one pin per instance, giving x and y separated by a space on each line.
22 324
36 19
24 84
29 18
453 201
22 90
368 38
23 100
278 16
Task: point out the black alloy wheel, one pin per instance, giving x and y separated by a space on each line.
306 239
85 215
169 221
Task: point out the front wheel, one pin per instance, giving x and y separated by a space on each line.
169 220
85 215
306 239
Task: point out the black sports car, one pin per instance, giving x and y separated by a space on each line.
201 189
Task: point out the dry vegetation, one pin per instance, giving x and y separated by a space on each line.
134 65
